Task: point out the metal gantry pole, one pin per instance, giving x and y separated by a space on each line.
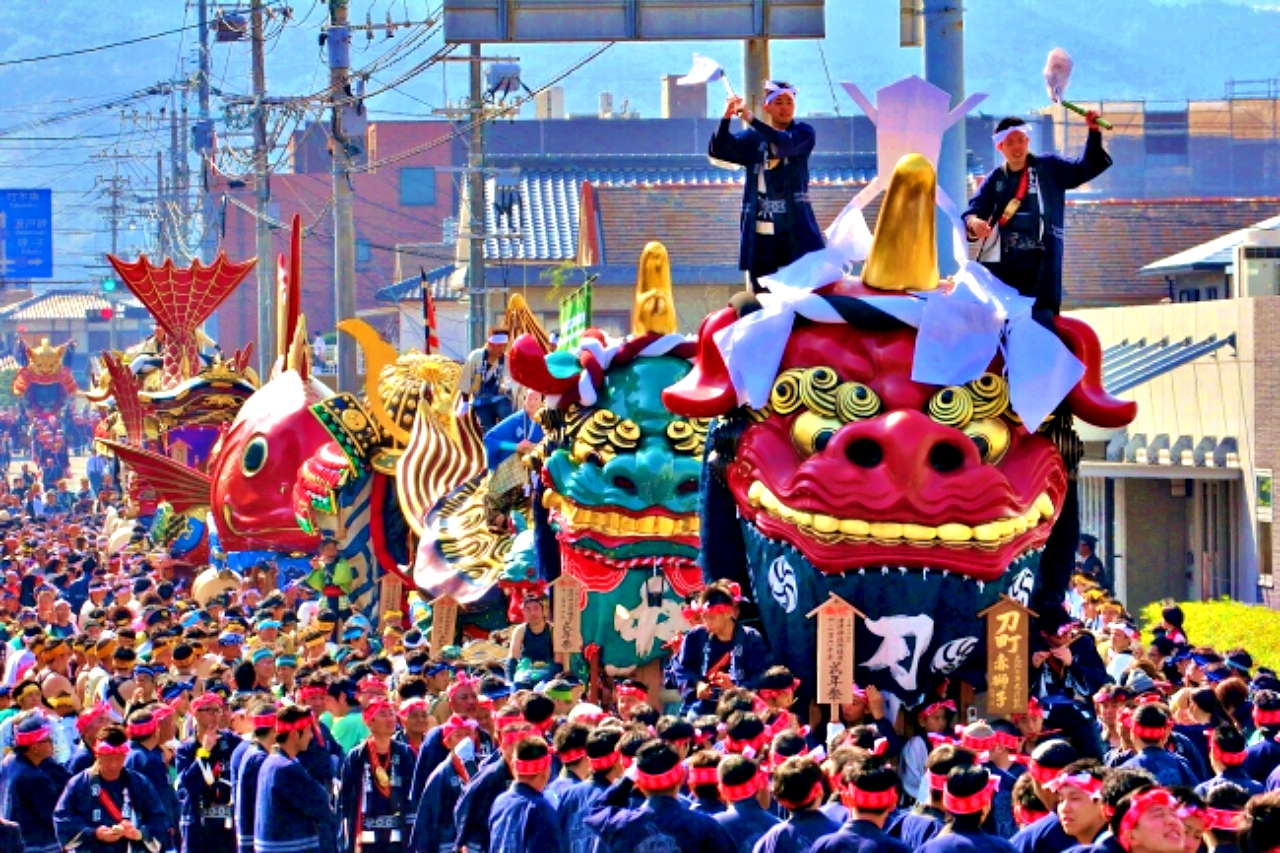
344 227
944 68
262 195
475 227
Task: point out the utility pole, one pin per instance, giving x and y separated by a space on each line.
944 68
344 227
475 178
208 214
161 212
755 70
262 194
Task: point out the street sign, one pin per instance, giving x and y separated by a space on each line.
631 20
26 233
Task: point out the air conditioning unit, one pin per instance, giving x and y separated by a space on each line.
1257 263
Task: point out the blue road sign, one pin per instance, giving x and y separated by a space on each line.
26 233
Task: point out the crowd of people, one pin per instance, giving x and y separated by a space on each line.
134 719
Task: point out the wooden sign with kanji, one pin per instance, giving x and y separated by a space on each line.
392 588
1008 632
836 659
444 623
566 615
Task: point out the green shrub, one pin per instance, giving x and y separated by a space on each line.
1226 624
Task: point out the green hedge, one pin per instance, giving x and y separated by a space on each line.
1226 624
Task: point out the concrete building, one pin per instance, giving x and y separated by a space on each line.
683 101
94 323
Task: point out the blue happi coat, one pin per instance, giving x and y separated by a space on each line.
366 815
472 813
746 822
660 824
859 836
246 766
206 817
797 834
81 811
293 814
433 826
28 794
522 821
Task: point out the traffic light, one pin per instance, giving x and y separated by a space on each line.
108 313
108 284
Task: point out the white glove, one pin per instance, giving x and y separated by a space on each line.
465 750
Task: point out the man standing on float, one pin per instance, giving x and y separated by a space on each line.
778 225
1017 215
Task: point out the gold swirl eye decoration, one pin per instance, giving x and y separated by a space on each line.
604 418
856 402
685 438
952 406
625 435
818 390
786 396
991 435
811 432
990 396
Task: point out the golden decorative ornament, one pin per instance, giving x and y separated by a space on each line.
382 777
655 306
811 432
354 420
952 406
990 396
991 435
786 396
904 251
819 390
856 402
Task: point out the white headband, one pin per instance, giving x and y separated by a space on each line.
1024 129
773 90
499 338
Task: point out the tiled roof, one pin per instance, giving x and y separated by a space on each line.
1109 242
1217 254
56 305
441 280
544 211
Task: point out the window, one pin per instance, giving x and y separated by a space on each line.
417 186
1190 294
1211 293
1265 576
364 253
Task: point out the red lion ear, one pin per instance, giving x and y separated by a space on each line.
1089 400
529 368
707 391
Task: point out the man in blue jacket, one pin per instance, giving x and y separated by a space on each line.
1017 215
778 225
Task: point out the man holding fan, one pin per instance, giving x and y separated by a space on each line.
1017 214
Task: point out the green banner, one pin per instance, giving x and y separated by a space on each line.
575 317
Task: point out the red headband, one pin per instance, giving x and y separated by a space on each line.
1223 820
460 681
937 781
604 762
702 776
572 756
1266 718
299 725
32 737
1043 775
371 710
871 801
511 735
631 690
372 685
739 747
310 694
103 748
1154 734
934 706
716 609
91 716
745 791
533 766
978 744
1089 784
1028 816
411 705
455 724
1007 740
660 781
142 730
1138 807
774 693
815 793
973 803
205 700
264 721
163 712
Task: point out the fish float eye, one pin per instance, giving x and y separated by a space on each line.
811 432
254 456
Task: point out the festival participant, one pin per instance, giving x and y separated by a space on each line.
927 818
373 807
89 725
433 826
332 577
518 432
463 702
576 803
530 659
869 792
107 808
521 819
203 767
246 769
1171 621
745 788
1147 821
720 653
1017 215
866 707
26 697
1264 752
777 221
415 722
967 800
147 759
1150 732
472 811
1223 812
1078 815
31 783
930 718
1028 808
343 708
1260 830
570 741
293 813
799 786
662 821
323 756
1066 671
485 381
1227 756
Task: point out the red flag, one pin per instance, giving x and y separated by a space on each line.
429 315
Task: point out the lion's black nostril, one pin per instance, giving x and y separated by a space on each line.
945 458
865 453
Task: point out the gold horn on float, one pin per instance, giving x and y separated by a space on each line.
378 354
521 321
904 251
655 308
